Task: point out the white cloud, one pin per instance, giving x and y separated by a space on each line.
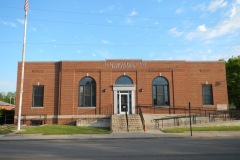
32 29
226 26
108 9
128 20
79 51
20 21
216 4
213 6
202 28
133 13
94 55
179 11
233 12
104 54
152 54
10 24
175 32
109 21
209 51
103 41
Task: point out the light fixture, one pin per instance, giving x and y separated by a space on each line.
206 82
141 90
105 90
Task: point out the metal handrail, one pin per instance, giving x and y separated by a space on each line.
127 120
196 110
142 119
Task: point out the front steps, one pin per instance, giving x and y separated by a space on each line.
119 123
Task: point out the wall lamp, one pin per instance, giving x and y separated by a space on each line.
105 90
141 90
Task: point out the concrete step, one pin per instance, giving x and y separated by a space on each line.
119 123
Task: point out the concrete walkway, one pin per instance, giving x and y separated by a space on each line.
122 135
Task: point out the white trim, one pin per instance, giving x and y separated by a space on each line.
37 107
124 87
161 107
129 87
79 107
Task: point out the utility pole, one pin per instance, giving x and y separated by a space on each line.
23 59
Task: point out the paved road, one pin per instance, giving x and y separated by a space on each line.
136 149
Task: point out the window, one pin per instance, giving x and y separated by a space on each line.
207 94
87 92
124 80
38 94
160 92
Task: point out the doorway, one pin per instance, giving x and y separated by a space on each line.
124 102
124 99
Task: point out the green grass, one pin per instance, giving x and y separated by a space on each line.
6 129
209 128
64 129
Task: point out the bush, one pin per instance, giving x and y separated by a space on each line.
234 114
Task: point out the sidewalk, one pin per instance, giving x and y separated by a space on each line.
123 135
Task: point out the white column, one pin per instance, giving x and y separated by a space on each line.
115 102
133 101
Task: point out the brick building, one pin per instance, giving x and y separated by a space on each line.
59 92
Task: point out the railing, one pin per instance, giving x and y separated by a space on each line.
179 110
142 118
234 114
175 118
126 114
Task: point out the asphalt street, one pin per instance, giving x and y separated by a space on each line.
139 149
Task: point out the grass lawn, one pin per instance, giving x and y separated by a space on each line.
64 129
6 129
209 128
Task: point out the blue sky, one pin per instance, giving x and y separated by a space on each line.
201 30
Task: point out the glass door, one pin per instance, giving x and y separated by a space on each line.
123 103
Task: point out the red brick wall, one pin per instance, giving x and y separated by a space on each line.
39 73
61 84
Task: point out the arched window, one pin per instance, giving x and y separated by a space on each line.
87 92
124 80
160 92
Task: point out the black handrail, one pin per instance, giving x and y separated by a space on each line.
196 110
127 120
142 119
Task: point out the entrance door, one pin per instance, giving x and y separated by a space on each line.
124 103
124 98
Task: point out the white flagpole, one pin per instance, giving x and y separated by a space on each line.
23 59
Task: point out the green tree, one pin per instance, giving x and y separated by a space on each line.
233 80
1 96
9 97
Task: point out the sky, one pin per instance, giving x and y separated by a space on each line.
78 30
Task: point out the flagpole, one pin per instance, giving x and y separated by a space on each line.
23 61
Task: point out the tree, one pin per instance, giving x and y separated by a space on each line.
233 81
9 97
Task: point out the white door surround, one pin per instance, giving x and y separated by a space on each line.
122 92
